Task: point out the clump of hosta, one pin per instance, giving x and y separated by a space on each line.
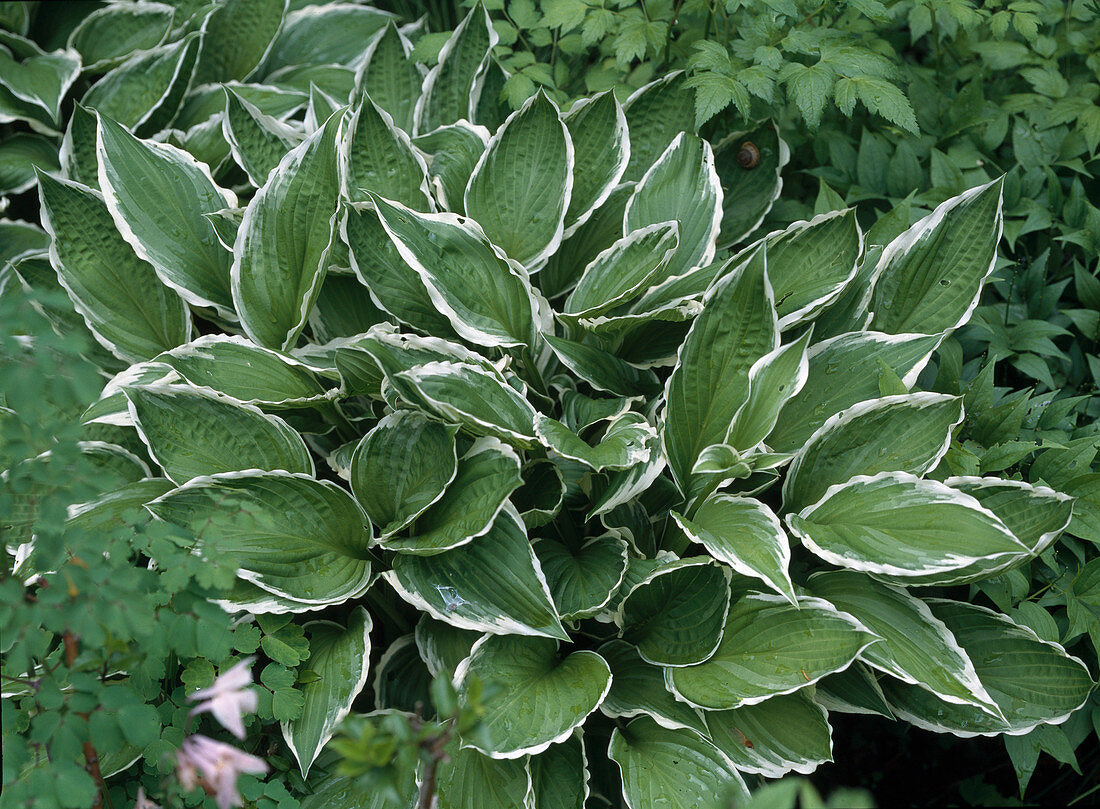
477 399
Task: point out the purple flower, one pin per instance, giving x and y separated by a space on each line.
202 761
229 698
143 802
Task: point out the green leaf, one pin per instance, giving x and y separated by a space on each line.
908 433
453 87
381 159
1033 682
244 371
236 37
744 534
625 444
191 433
472 397
809 86
601 370
854 690
257 141
522 184
401 467
331 34
559 776
583 581
788 733
143 93
109 34
897 526
295 537
770 647
116 293
466 779
638 688
930 277
655 114
493 584
20 154
682 186
624 270
77 154
346 792
748 189
844 371
916 647
678 769
601 147
737 327
157 195
401 679
676 613
390 77
279 258
540 696
40 80
486 296
340 658
442 646
453 152
773 380
486 476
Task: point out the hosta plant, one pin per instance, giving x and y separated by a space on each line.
484 402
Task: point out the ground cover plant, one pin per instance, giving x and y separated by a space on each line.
501 435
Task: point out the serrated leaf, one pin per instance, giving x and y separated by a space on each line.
279 258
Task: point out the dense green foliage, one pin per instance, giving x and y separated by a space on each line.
329 340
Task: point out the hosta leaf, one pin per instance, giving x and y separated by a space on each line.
493 584
157 195
582 581
676 613
737 327
471 397
19 155
116 293
771 647
601 150
624 486
40 80
625 444
144 92
929 278
467 779
854 690
111 33
540 696
453 87
677 769
681 186
346 792
638 688
811 262
522 184
401 680
332 33
291 535
559 775
486 475
77 154
453 152
624 270
257 141
896 526
563 269
773 380
601 370
190 433
339 657
1032 681
393 284
390 77
748 191
401 467
486 296
442 646
245 371
492 109
381 159
236 37
279 258
843 371
787 733
746 535
908 433
656 114
343 309
916 646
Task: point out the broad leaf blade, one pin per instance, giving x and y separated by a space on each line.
601 146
